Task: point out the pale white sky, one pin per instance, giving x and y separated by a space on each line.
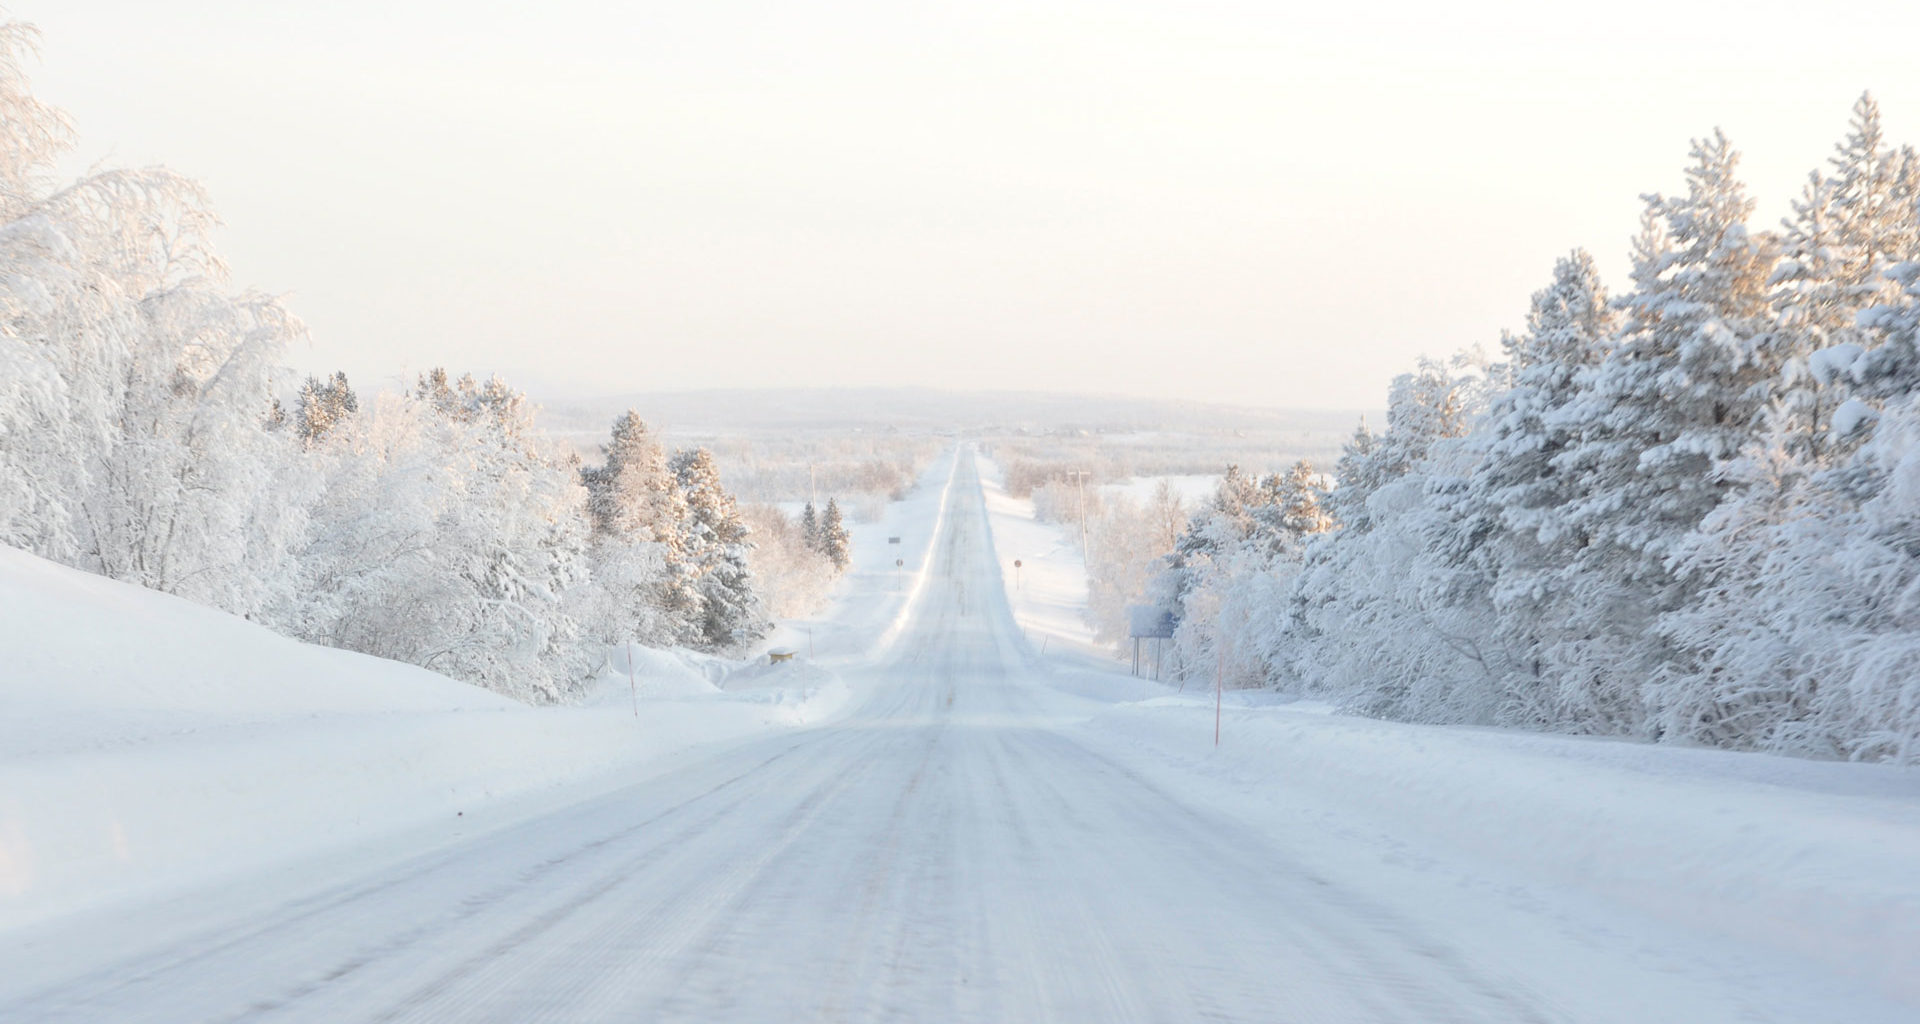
1225 200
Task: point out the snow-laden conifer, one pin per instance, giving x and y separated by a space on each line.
834 540
726 608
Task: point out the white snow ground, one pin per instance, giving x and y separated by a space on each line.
980 833
150 744
1635 870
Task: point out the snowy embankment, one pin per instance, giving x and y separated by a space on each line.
1776 867
1048 590
150 745
889 559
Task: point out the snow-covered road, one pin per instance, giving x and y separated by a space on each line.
957 848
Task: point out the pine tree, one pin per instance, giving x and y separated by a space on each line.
1683 392
810 527
1755 665
1511 515
1354 479
1425 407
1223 523
1570 328
1375 612
727 612
634 496
1875 202
835 542
639 553
1849 229
1297 500
1666 414
1871 188
323 405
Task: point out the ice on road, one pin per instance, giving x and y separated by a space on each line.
952 850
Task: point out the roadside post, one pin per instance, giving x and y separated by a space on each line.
1219 661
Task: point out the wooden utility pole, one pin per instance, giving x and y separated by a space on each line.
1080 488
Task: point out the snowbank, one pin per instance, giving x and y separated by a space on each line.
1048 592
1799 864
1817 861
151 745
870 602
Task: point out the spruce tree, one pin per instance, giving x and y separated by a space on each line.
810 527
1850 228
1674 403
1682 393
835 542
1875 204
727 611
1353 479
323 405
634 496
1515 497
638 546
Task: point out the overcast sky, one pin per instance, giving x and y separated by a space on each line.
1222 200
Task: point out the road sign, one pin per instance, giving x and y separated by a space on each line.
893 540
1149 622
898 562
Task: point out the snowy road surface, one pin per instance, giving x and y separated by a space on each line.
953 850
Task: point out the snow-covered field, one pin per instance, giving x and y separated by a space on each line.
1794 883
1191 487
987 819
151 746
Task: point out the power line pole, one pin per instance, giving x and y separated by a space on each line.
1080 486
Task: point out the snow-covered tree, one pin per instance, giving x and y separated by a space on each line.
640 571
1515 498
715 538
1373 616
1688 514
790 574
135 391
1167 515
451 536
1659 422
1682 393
1754 645
810 527
1850 227
323 404
1231 565
834 540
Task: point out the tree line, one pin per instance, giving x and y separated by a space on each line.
1688 513
149 433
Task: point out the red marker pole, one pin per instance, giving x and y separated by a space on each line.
634 687
1218 658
